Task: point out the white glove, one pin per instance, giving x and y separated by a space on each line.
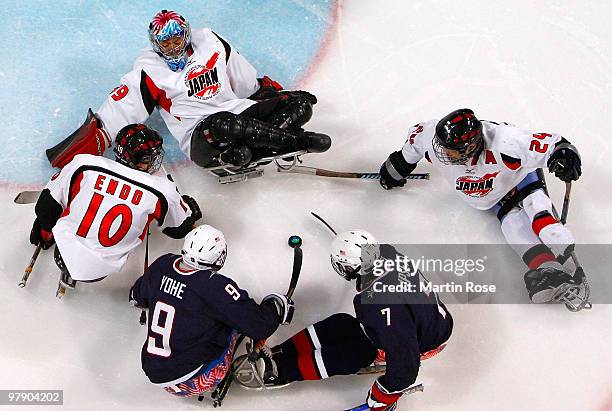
284 306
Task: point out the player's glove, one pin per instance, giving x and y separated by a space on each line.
311 98
268 88
565 162
394 170
284 306
134 301
381 399
39 235
196 213
386 181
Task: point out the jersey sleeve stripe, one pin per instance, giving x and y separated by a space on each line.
226 46
153 95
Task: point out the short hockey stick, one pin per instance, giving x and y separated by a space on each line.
294 242
566 202
143 313
324 222
341 174
28 269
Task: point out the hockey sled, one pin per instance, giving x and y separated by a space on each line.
227 174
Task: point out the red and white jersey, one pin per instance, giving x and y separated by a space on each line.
107 209
509 154
216 78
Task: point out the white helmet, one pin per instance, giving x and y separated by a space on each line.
204 248
346 253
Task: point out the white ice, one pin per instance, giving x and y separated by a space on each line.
389 64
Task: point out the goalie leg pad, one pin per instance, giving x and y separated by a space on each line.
90 138
296 113
223 130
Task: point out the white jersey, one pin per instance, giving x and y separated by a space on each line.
509 154
107 208
216 78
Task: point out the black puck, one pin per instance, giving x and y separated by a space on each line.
295 241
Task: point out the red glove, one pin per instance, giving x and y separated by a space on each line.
381 399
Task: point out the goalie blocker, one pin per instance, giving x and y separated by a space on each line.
90 138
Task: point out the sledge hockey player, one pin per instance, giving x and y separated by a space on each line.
209 97
98 210
494 167
400 330
196 313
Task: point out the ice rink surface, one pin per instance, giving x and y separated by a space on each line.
377 68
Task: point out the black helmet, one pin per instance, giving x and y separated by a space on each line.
137 145
460 131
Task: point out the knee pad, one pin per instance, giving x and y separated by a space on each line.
294 115
221 130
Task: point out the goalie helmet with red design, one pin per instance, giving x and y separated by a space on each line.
458 137
139 147
170 36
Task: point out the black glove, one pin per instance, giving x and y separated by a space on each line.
38 235
386 181
300 94
565 162
284 306
268 88
196 213
133 300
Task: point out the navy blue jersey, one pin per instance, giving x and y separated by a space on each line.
192 316
403 330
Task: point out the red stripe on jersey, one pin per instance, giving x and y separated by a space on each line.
74 190
155 215
158 94
512 166
302 342
540 259
307 366
544 221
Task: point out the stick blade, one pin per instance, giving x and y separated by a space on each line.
27 197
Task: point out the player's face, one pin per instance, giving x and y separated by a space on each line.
173 46
459 157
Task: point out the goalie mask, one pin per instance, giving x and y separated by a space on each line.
170 36
352 256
